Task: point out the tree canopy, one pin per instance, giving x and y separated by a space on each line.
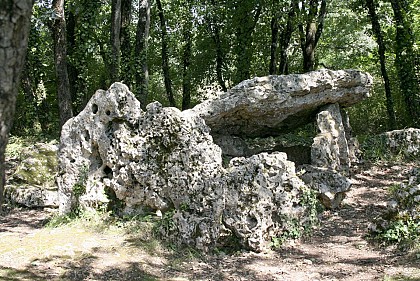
179 51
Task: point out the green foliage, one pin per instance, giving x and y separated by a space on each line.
377 148
401 223
346 42
295 228
79 187
401 230
166 224
374 148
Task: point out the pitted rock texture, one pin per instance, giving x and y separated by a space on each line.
405 142
403 209
265 185
330 148
330 185
164 160
269 106
330 157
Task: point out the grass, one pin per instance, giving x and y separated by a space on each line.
93 245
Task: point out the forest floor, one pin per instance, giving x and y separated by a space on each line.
339 248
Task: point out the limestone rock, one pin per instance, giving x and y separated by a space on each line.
330 148
267 106
32 184
164 160
330 157
330 185
32 196
403 209
264 188
405 142
84 155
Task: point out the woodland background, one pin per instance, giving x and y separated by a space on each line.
181 51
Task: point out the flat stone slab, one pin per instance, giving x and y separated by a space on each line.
271 105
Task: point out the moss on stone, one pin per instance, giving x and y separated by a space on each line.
38 166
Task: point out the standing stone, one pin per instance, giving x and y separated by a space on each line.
84 147
330 157
330 148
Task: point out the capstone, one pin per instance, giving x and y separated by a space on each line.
272 105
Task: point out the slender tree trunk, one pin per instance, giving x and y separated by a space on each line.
27 85
376 27
142 38
310 36
115 40
246 18
165 55
285 38
405 62
219 58
274 44
60 55
126 64
15 24
186 58
214 27
73 72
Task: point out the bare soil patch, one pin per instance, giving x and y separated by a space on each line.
338 249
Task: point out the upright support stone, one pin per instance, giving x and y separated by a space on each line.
353 143
330 157
330 148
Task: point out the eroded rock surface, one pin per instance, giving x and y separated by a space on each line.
330 157
405 142
267 106
164 160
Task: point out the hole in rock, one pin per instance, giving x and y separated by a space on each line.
115 204
252 222
108 172
108 112
95 159
94 108
87 138
72 160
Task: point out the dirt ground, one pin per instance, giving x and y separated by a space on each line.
337 250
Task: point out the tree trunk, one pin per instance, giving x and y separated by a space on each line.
285 38
60 56
73 72
376 27
274 44
115 40
246 17
186 58
310 36
214 27
404 61
15 24
126 64
165 56
219 58
142 38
